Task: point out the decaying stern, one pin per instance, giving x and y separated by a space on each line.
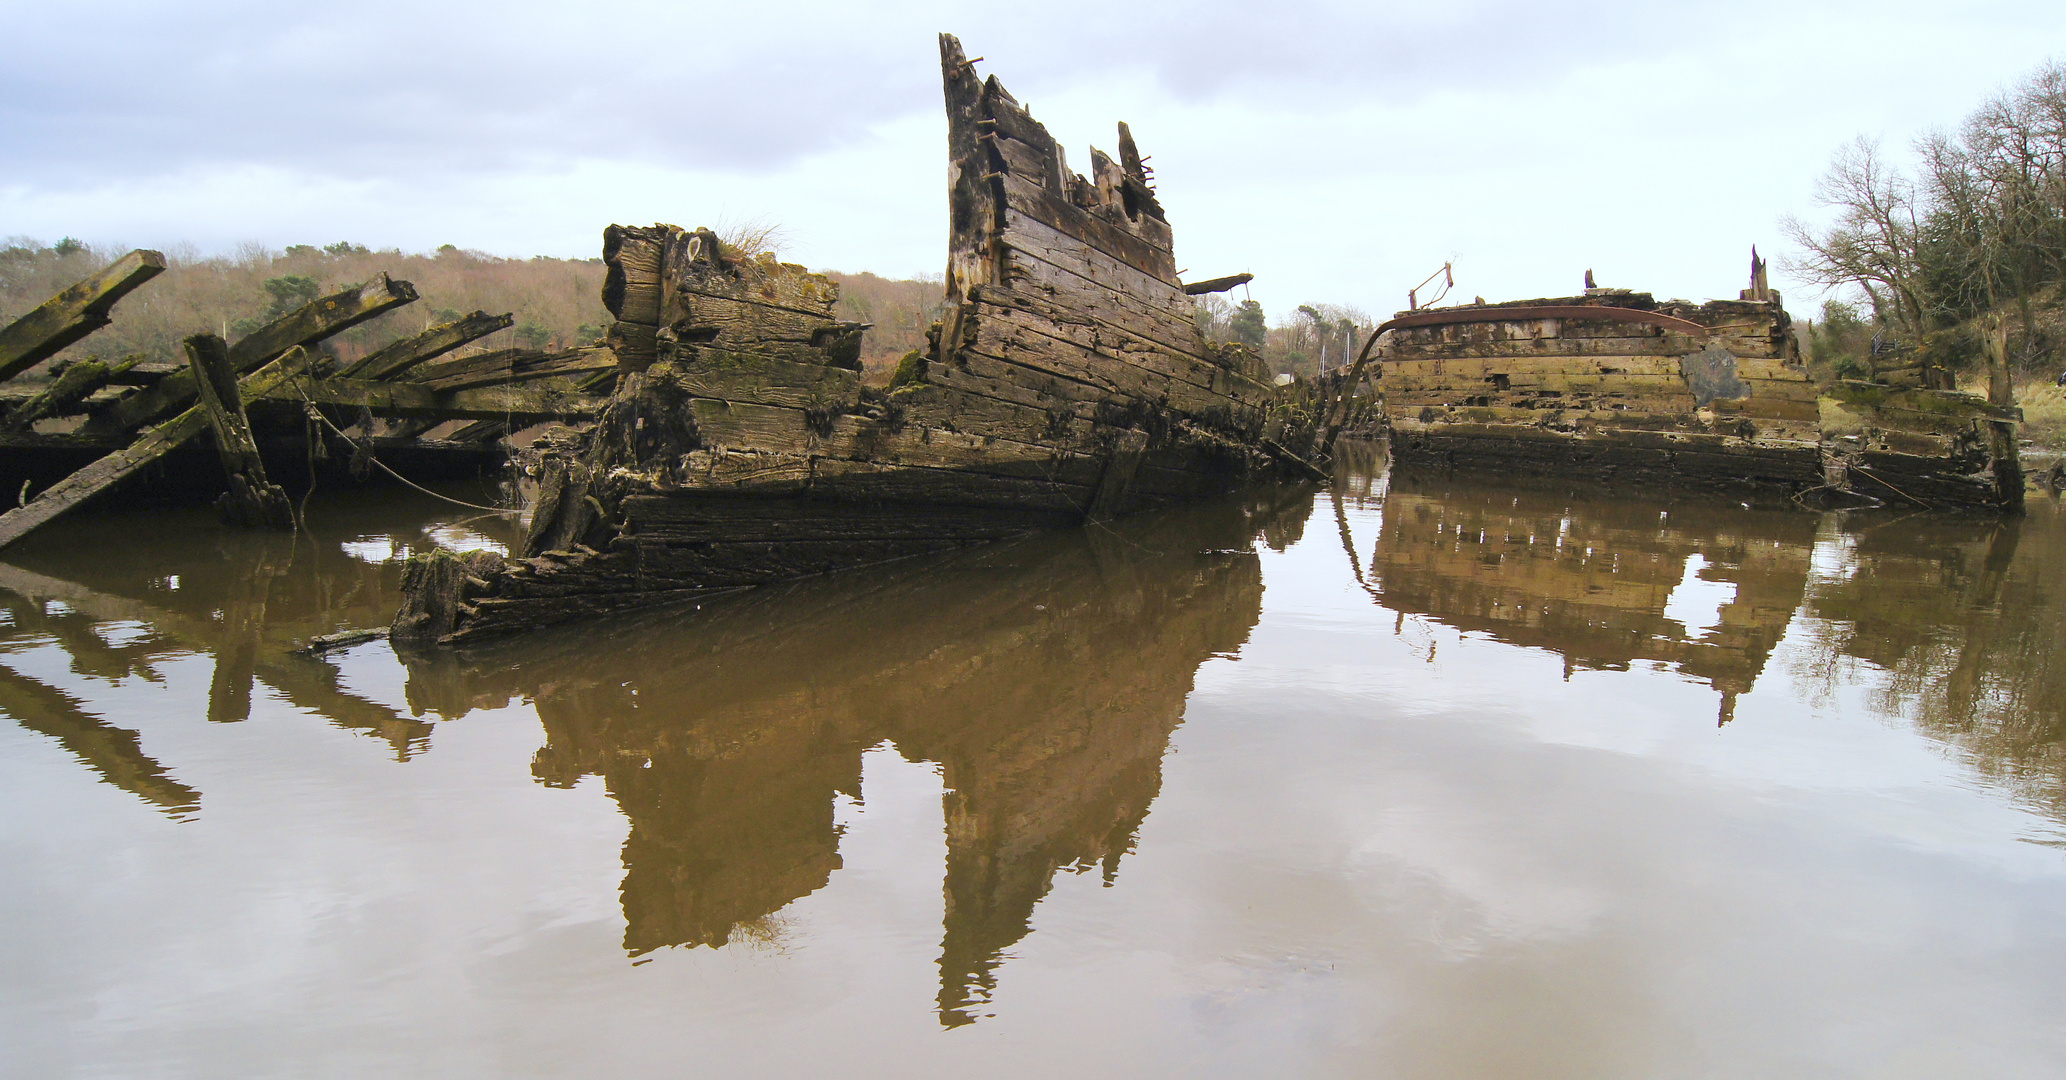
1614 386
1067 382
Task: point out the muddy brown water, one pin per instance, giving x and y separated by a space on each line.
1412 778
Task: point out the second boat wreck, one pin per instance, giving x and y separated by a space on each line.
1615 387
1068 381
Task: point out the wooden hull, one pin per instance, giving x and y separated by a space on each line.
1066 382
1676 397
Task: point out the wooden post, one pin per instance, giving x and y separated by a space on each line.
150 446
73 313
251 501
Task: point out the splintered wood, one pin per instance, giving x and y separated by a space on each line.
135 414
1067 381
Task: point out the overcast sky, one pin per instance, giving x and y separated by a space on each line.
1339 152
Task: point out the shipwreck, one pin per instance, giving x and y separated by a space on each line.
1068 382
1615 387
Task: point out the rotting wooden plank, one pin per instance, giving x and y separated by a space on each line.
1486 367
527 401
632 256
66 391
1543 347
1025 341
742 317
953 410
251 501
1070 299
399 356
304 326
150 446
1053 210
585 360
732 377
870 480
1112 290
1085 250
1592 383
73 313
724 472
971 379
1029 164
742 425
480 369
1174 357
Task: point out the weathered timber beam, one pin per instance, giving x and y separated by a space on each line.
1450 316
152 445
519 365
304 326
73 313
393 359
67 390
500 360
480 431
405 398
1218 284
144 373
251 501
36 440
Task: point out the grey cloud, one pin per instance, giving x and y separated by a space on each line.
358 91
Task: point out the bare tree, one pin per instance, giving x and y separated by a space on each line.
1874 245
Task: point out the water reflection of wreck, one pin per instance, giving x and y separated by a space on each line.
248 599
1592 581
1958 623
1044 677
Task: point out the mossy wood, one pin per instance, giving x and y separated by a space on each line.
1067 381
148 447
74 313
304 326
251 500
397 357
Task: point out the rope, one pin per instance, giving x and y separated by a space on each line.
370 456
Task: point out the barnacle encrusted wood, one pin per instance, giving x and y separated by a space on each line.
1068 380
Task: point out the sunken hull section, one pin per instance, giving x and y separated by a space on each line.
1067 382
1615 388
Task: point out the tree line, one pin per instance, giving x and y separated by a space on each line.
557 302
1922 257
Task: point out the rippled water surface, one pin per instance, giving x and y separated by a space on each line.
1413 778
